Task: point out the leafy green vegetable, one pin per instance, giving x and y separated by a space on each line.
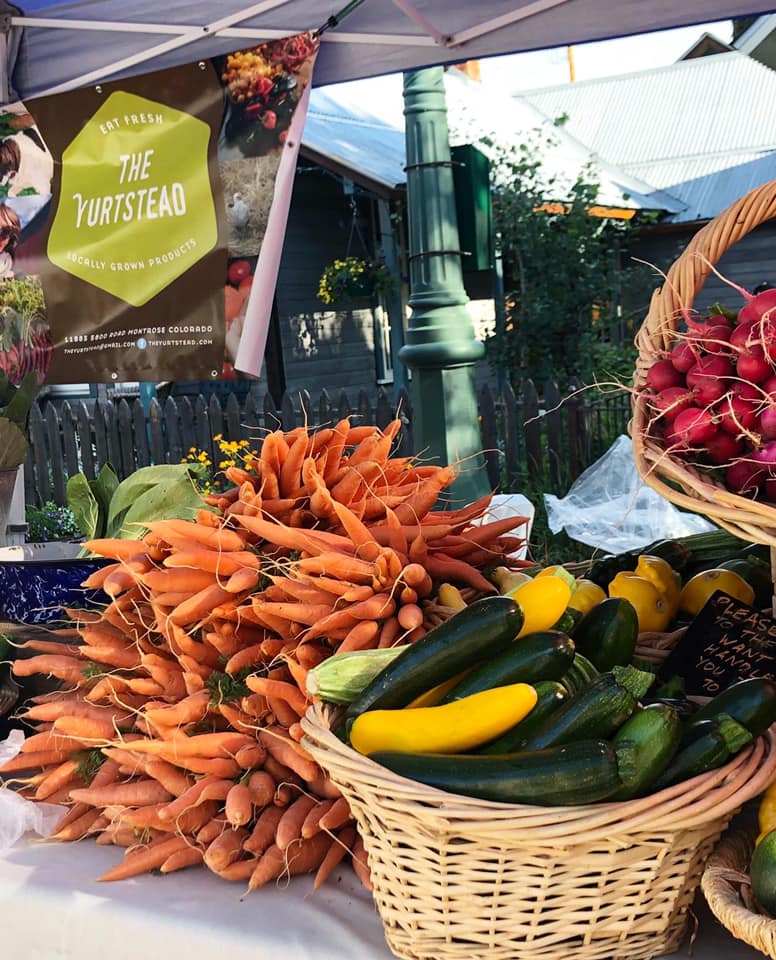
83 505
13 445
104 487
173 494
89 763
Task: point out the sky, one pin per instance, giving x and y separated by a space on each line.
524 71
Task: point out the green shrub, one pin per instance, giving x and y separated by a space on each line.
50 522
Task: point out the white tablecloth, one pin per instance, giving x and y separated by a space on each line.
51 908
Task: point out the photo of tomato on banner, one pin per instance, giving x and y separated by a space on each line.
239 280
26 169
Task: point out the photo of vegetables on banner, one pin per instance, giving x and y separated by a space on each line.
122 207
26 170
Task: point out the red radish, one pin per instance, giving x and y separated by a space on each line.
744 477
663 374
758 306
767 457
708 367
768 422
723 448
743 335
694 426
684 355
671 401
717 339
736 413
769 386
752 365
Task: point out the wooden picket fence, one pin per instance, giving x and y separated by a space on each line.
530 439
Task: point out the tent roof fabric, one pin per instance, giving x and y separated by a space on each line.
377 38
697 128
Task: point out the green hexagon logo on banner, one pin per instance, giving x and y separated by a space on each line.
136 208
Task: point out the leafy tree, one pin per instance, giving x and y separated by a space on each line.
564 271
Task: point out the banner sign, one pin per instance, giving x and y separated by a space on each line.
133 213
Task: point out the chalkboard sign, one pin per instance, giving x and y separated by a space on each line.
727 641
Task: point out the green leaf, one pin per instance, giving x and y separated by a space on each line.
153 493
104 487
84 506
13 445
19 405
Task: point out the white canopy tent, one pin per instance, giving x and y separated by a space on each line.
72 43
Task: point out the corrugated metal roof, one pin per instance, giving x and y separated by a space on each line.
342 125
343 130
704 129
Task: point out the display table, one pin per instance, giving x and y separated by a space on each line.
51 907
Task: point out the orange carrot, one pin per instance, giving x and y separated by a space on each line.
77 828
57 778
278 688
250 757
291 469
225 849
410 616
304 856
337 816
289 828
126 658
134 793
208 788
191 709
206 745
213 561
446 569
238 806
181 859
85 728
142 860
262 788
312 824
263 833
187 533
289 753
246 657
180 579
341 845
114 548
339 566
245 579
360 637
68 669
197 606
306 613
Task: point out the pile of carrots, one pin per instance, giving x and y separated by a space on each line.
175 732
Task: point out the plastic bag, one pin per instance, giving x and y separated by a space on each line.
610 507
17 815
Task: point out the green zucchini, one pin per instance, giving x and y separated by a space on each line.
751 702
607 634
579 675
581 772
706 745
645 744
756 573
538 656
550 694
480 631
595 712
567 621
606 568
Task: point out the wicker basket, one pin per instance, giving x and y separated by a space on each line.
456 878
726 887
696 491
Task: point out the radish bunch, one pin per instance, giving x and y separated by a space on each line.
713 396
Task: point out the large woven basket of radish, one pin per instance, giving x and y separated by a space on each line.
704 399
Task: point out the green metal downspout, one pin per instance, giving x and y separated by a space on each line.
440 347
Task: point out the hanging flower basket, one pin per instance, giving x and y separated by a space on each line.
353 279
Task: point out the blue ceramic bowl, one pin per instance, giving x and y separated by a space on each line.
38 579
